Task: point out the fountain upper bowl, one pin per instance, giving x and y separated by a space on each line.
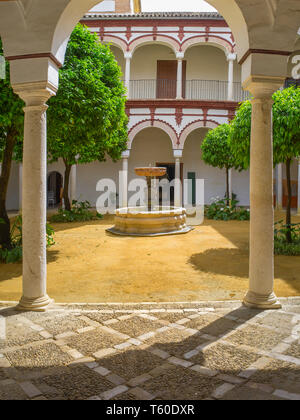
151 171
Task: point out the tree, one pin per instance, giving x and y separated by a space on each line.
216 151
286 136
87 119
11 139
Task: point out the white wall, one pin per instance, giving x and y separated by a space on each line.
206 63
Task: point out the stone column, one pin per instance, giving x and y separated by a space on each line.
128 57
230 58
261 294
73 183
177 183
20 186
298 211
124 180
35 96
179 90
279 190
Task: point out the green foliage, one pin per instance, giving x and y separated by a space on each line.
285 248
87 118
11 115
219 210
216 149
80 212
282 247
286 128
239 138
14 254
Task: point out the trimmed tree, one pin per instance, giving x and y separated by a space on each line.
286 136
11 139
87 119
216 152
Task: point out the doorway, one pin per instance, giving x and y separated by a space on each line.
54 186
170 176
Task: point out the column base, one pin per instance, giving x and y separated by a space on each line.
254 300
40 304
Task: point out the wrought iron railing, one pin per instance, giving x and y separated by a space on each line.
213 90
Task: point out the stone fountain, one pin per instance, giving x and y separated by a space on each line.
150 220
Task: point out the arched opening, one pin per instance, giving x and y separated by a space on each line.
54 189
152 147
207 73
153 72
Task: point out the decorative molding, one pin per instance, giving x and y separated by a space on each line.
178 116
222 43
114 22
33 56
194 125
157 123
181 103
267 52
160 38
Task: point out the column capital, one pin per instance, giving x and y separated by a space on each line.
231 56
178 153
262 87
35 94
128 55
180 55
126 154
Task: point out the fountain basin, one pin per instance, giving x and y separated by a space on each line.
151 171
138 221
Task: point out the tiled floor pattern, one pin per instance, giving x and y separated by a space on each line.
155 351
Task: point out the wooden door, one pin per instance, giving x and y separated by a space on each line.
167 79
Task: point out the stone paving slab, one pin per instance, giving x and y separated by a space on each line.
192 351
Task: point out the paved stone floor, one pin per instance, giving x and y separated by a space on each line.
187 351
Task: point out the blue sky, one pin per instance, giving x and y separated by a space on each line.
176 6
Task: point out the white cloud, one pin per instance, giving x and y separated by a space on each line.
176 6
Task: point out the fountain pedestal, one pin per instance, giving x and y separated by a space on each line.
150 221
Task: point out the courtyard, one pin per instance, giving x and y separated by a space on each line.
94 93
88 265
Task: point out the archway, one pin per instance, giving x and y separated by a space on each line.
162 125
35 36
54 189
152 146
153 71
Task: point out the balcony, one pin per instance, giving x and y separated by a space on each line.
205 90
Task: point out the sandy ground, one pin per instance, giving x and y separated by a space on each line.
210 263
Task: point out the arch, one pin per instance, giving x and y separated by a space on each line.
214 41
234 14
114 41
159 39
54 186
168 129
65 23
211 124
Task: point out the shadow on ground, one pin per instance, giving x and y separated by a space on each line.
136 374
